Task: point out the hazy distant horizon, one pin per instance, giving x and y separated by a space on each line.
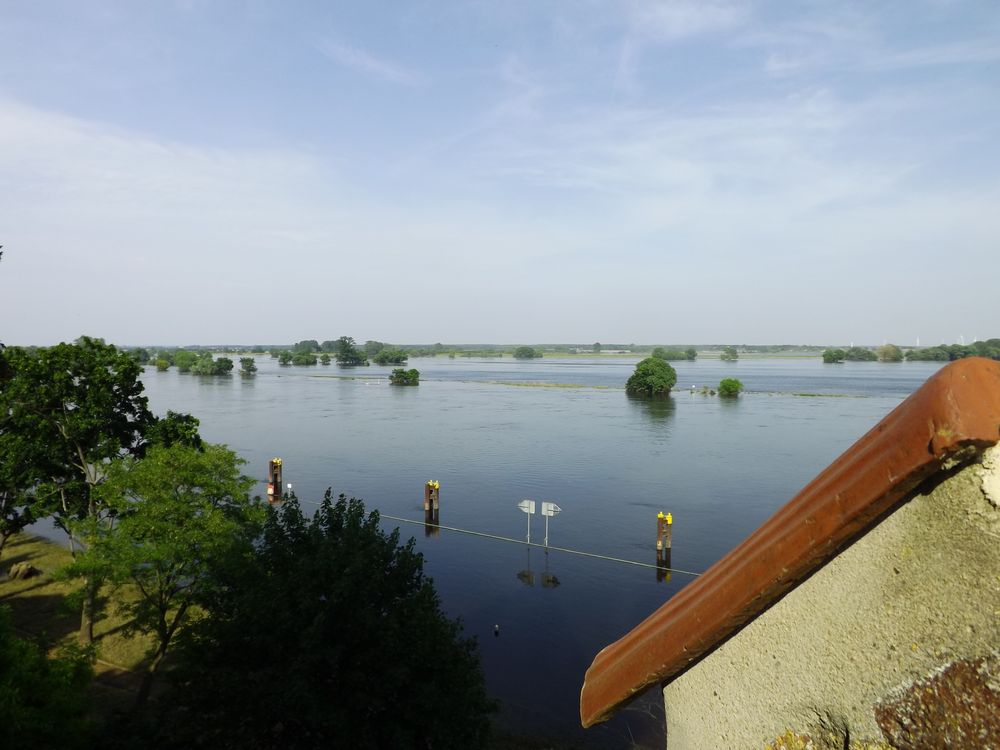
679 170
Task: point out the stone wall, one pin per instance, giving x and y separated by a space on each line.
842 651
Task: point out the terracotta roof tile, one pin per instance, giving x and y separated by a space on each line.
957 408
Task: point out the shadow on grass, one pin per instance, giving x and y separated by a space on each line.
44 616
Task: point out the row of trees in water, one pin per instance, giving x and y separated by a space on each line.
268 628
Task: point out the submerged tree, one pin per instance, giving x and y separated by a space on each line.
730 387
400 376
335 637
248 366
348 354
652 377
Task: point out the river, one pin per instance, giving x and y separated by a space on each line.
496 431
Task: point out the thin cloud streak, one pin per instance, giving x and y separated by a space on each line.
358 59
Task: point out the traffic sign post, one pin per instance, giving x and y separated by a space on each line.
528 506
549 509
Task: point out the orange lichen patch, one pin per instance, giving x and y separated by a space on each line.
951 418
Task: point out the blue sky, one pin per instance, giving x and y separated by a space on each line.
715 171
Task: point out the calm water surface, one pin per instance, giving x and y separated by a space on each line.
492 434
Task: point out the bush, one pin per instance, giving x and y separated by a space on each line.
652 377
527 352
730 387
400 376
834 356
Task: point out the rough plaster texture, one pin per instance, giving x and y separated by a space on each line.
918 591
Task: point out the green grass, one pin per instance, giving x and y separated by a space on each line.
536 384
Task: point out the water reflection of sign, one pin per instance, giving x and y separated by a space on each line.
528 506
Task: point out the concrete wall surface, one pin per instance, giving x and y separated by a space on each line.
917 593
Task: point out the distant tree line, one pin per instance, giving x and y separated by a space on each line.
947 353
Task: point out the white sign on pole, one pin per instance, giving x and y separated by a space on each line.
528 506
548 509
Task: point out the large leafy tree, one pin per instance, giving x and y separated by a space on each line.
653 377
335 638
180 512
349 354
71 409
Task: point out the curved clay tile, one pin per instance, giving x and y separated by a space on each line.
952 417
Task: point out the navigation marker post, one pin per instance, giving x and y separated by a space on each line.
528 506
549 509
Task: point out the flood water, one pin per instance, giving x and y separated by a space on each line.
493 434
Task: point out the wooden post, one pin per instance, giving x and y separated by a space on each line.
663 565
274 481
664 530
432 505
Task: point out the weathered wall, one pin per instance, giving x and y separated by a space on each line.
919 591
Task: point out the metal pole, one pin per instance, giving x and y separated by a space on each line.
529 527
546 531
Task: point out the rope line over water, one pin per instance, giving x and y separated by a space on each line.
535 544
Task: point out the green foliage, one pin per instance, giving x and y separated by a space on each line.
729 354
206 365
672 355
890 353
946 353
175 429
324 359
185 360
306 347
43 702
140 355
390 355
596 347
690 354
652 377
859 354
180 513
527 352
834 356
304 359
162 365
730 387
327 635
374 347
400 376
285 358
348 354
248 366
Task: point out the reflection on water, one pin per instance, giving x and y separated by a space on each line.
611 463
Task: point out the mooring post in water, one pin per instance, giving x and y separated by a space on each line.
274 480
432 505
664 530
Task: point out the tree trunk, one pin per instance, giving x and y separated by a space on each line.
90 587
147 679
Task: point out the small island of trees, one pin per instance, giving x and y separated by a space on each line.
400 376
527 352
653 378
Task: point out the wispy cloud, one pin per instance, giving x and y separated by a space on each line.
676 19
354 57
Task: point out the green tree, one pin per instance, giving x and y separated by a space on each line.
670 355
730 387
859 354
324 359
596 347
390 355
185 360
374 347
690 354
890 353
325 631
162 365
527 352
834 356
729 354
400 376
348 354
175 429
248 366
43 701
180 513
75 407
307 346
653 377
304 359
285 358
206 365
